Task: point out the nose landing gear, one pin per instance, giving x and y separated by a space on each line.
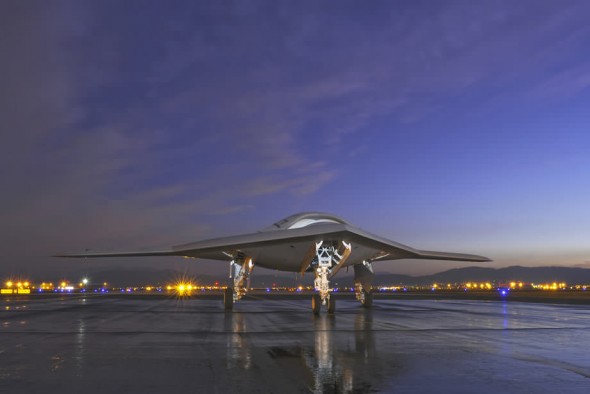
328 260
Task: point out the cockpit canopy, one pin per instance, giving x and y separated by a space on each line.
305 219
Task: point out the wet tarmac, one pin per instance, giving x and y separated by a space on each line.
126 344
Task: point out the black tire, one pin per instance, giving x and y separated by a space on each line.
331 305
316 304
368 303
228 299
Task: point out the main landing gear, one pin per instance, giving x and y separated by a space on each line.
363 278
364 297
240 269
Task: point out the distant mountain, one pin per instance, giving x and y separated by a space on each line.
526 274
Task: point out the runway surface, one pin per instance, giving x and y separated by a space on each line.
126 344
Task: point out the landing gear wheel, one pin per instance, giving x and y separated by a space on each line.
368 302
316 303
228 299
331 305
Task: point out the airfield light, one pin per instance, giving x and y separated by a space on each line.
9 284
85 281
63 284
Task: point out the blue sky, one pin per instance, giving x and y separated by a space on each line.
459 126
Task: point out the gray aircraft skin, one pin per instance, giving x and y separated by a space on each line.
305 242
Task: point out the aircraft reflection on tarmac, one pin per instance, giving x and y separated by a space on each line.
323 367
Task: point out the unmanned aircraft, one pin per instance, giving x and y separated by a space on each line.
313 242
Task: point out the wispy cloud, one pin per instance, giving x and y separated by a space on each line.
115 131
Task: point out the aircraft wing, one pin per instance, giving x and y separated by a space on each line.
219 248
224 248
395 250
89 253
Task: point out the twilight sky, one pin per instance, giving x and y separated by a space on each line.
456 126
